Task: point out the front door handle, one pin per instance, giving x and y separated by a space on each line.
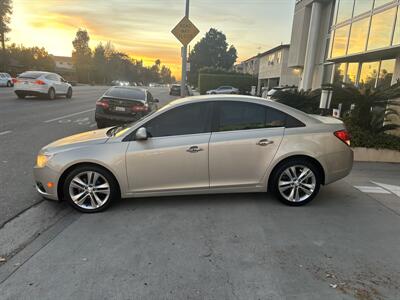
264 142
194 149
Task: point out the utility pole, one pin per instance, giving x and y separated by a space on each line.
184 58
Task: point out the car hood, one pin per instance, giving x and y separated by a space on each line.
78 140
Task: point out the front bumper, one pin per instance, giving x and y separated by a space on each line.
42 177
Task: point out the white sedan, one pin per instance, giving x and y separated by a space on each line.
6 80
36 83
223 90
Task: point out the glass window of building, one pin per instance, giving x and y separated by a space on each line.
345 10
279 57
352 71
358 36
369 74
362 6
386 73
396 37
340 70
339 45
381 29
379 3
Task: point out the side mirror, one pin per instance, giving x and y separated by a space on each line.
141 134
156 100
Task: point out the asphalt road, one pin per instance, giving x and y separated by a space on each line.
343 245
28 125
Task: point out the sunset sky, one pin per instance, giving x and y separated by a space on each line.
142 28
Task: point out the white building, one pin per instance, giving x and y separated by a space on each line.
355 41
274 71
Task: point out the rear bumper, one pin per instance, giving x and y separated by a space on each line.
338 165
31 90
114 118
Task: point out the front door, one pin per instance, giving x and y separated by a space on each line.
246 139
175 156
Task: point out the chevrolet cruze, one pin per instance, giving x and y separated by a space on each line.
198 145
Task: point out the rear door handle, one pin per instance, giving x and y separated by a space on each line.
264 142
194 149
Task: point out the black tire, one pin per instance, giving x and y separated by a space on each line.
278 174
51 94
101 124
114 188
69 93
20 95
9 84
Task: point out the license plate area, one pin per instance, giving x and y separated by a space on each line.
120 108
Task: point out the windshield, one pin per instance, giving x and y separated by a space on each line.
126 93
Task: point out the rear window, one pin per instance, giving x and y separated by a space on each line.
176 87
30 75
126 93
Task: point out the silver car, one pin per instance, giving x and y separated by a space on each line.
223 90
37 83
198 145
6 80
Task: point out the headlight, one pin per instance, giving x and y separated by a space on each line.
42 159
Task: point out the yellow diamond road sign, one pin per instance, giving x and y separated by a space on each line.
185 31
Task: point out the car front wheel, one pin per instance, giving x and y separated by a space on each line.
90 189
296 182
69 94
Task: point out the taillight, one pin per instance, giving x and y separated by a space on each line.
14 80
103 103
343 135
40 82
139 108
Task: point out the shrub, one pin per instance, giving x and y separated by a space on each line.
209 81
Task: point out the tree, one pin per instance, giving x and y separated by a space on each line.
211 51
5 12
82 55
99 64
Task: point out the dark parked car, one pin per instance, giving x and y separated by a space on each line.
176 90
120 105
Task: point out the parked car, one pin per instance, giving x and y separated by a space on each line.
121 105
269 94
175 90
223 90
36 83
6 80
198 145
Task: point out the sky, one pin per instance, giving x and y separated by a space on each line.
142 28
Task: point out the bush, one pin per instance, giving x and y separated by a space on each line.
212 81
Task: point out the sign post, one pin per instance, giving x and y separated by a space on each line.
185 32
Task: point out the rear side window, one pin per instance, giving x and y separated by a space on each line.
245 116
187 119
126 93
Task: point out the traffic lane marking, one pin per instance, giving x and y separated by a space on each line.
372 189
5 132
70 115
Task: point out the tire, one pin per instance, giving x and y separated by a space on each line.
51 95
20 95
289 188
101 124
9 84
80 182
69 94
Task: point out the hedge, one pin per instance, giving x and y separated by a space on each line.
212 81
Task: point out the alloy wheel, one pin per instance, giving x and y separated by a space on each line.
89 190
297 183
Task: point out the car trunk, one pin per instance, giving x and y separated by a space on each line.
125 106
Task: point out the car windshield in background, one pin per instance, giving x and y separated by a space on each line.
126 93
30 75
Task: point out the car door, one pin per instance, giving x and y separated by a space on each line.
175 156
245 139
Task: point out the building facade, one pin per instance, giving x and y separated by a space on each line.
274 71
353 41
249 66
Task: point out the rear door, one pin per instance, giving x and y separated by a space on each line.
244 141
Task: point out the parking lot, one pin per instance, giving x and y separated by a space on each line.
344 245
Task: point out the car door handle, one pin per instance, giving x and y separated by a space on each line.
264 142
194 149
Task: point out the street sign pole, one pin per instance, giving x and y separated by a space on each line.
184 58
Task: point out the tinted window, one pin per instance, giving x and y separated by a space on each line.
187 119
149 97
30 75
126 93
53 77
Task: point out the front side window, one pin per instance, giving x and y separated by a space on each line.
381 29
187 119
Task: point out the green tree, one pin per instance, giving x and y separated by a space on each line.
211 51
5 18
82 55
99 64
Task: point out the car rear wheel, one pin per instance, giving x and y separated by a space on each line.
20 95
101 124
69 94
296 182
51 94
90 189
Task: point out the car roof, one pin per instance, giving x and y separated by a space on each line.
130 88
305 118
